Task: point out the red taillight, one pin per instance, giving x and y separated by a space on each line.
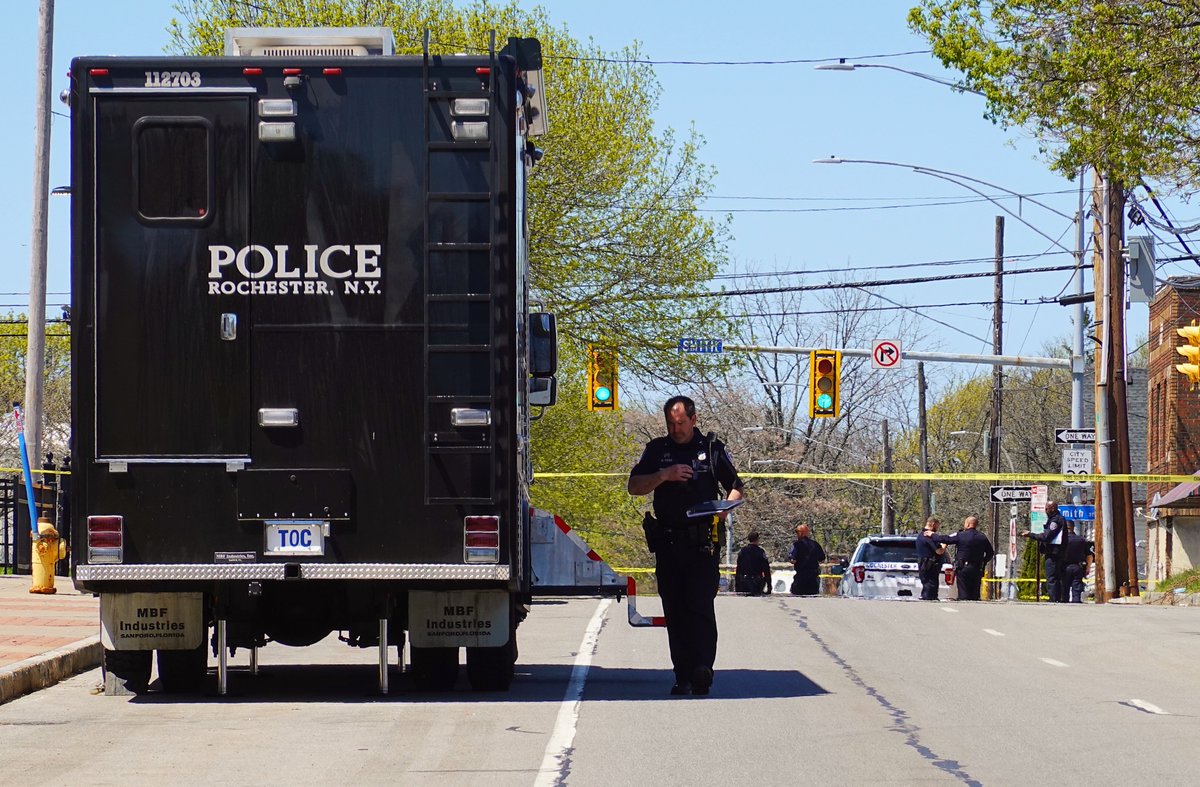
291 72
98 72
331 72
252 72
859 573
483 71
106 539
481 539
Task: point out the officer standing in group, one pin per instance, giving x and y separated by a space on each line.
1050 543
929 559
1078 554
753 573
806 556
973 553
683 470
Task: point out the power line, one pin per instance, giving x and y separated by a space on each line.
890 266
833 285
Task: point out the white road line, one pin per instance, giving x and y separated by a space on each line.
551 771
1146 706
948 609
994 633
1053 662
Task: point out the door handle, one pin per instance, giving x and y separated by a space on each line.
228 326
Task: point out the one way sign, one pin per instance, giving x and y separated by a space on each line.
1068 436
1009 494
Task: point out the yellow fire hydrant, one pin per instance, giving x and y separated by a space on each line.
48 549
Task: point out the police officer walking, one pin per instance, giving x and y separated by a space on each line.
973 553
929 559
683 470
1050 543
1078 553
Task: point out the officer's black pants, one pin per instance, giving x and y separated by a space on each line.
687 584
805 584
1055 587
1073 581
929 583
969 579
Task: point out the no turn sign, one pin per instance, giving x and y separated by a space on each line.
885 354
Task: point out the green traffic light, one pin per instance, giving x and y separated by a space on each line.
602 394
824 401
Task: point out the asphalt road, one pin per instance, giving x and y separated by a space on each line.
807 691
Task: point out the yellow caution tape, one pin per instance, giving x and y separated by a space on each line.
34 472
1010 478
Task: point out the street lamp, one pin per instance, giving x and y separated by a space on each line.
842 65
957 179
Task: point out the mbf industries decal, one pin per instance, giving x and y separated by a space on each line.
274 270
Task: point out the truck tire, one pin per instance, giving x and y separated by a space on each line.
492 669
434 669
183 671
126 672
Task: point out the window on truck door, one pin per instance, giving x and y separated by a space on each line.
173 169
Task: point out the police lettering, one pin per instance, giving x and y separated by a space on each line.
274 270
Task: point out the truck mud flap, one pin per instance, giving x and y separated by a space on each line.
562 564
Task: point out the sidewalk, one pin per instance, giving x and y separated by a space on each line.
45 639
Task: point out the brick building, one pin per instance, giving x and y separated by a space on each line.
1172 434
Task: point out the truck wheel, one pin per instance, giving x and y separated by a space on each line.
491 669
434 669
183 671
126 672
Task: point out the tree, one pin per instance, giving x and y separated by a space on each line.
56 397
1108 84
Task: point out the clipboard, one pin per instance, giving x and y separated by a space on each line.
713 507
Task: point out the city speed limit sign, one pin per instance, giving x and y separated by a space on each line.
1077 461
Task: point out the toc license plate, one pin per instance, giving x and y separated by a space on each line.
295 537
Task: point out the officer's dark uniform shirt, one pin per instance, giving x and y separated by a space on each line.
673 498
1054 525
974 548
1077 548
807 554
926 547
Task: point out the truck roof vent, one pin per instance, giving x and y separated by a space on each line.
308 41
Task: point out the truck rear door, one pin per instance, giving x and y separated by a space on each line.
172 349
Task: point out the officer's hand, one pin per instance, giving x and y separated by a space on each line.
678 472
1024 534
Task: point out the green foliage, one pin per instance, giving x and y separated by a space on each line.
568 438
1188 580
1108 84
56 391
1030 562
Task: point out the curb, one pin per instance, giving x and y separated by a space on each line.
38 672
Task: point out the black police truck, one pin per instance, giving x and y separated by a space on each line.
303 353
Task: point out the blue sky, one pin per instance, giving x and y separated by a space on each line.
763 126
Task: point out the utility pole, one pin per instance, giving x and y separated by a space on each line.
995 425
923 428
887 520
35 354
1114 508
